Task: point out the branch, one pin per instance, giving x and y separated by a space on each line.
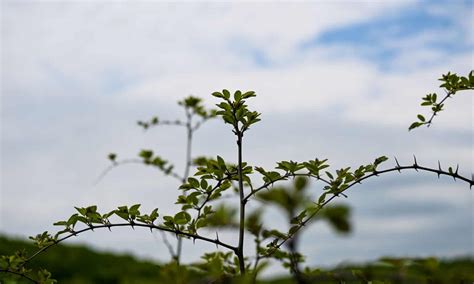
452 84
240 252
155 122
208 198
398 168
129 161
19 274
168 245
448 95
284 177
150 226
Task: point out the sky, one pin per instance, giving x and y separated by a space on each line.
334 79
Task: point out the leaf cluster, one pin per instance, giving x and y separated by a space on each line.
235 112
452 83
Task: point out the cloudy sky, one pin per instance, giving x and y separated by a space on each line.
338 80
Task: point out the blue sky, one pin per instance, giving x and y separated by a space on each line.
371 38
338 80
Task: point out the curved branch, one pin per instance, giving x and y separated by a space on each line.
129 161
284 177
114 165
398 168
216 241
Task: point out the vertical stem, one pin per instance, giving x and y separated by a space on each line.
240 248
189 139
257 259
295 267
293 247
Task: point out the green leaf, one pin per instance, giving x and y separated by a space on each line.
237 95
221 162
82 211
421 118
380 160
154 214
146 154
182 218
414 125
329 175
217 95
204 184
226 94
193 182
248 94
201 223
322 198
301 183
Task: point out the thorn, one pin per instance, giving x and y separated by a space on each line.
439 168
194 240
415 165
217 240
376 173
398 165
343 195
456 172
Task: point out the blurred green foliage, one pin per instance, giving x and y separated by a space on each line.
78 264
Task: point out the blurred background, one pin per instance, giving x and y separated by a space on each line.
340 80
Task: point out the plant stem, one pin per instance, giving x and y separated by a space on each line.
189 140
240 247
292 246
133 225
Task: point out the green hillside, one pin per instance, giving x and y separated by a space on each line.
79 265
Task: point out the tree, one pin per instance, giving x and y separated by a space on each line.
200 193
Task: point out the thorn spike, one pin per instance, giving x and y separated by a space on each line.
415 165
398 165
